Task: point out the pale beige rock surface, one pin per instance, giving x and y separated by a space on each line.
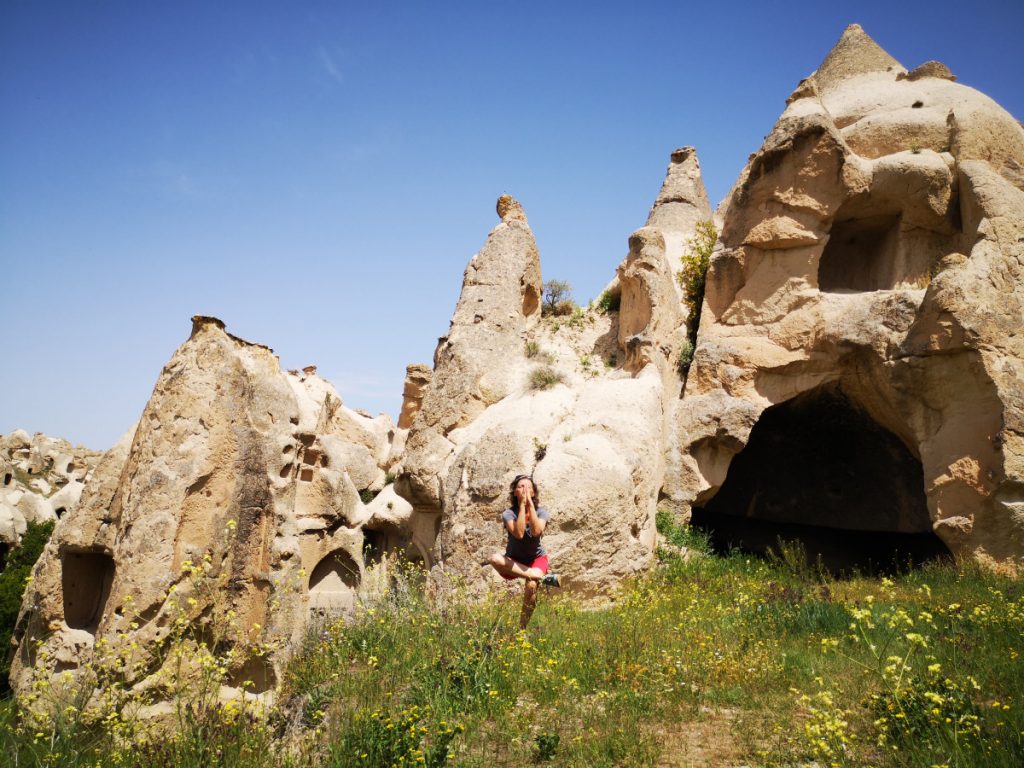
41 478
475 364
872 248
597 441
254 476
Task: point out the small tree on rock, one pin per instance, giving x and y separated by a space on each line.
557 295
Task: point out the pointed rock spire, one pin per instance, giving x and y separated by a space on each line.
682 200
855 54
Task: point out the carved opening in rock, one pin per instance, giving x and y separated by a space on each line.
286 471
819 470
306 475
374 547
59 512
391 543
4 549
861 254
531 301
310 457
71 468
86 578
7 478
258 671
333 584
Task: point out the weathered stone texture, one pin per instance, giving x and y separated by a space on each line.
253 474
873 245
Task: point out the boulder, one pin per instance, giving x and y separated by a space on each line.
475 364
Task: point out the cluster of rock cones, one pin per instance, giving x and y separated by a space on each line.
859 367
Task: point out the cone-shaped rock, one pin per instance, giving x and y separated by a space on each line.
231 514
474 364
870 274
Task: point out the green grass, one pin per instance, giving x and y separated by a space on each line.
705 660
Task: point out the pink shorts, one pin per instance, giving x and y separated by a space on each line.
541 562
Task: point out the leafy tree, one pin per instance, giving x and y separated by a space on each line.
557 293
12 587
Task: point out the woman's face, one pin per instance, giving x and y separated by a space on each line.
524 488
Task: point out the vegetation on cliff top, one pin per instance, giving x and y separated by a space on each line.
704 661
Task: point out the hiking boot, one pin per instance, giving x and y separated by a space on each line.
551 580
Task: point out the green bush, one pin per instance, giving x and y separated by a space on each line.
609 302
693 276
12 587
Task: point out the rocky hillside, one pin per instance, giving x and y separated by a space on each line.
43 478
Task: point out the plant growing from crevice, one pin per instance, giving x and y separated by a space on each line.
540 450
545 377
693 279
609 302
685 357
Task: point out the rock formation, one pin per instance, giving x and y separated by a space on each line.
417 377
867 291
237 505
859 367
41 479
581 402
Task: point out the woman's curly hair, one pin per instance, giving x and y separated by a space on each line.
512 502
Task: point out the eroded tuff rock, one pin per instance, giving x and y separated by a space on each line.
41 478
597 441
475 364
417 377
870 267
253 476
859 366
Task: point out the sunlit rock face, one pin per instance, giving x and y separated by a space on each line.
235 507
872 252
859 368
41 479
596 437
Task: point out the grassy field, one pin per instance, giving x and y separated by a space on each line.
706 661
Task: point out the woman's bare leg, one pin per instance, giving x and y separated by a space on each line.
506 566
529 601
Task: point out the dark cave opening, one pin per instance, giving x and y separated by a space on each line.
818 470
861 255
86 579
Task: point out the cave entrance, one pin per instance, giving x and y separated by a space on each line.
861 255
86 579
818 470
333 585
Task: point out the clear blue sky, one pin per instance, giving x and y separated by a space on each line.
318 174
